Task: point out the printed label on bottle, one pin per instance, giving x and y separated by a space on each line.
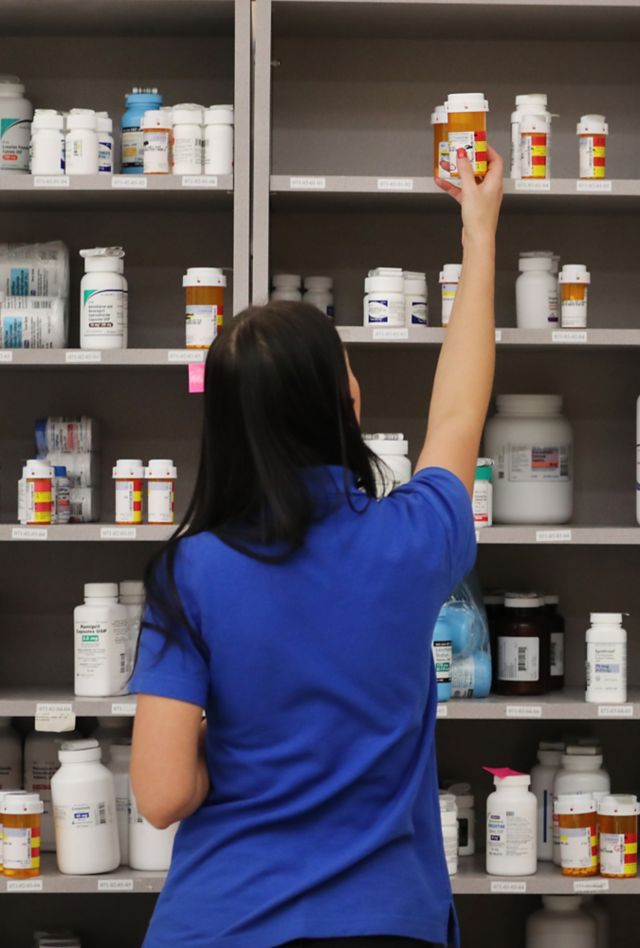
482 505
448 298
384 311
21 847
105 157
418 312
15 136
443 658
104 313
81 815
475 145
518 658
202 325
579 846
101 652
606 669
443 155
593 155
544 463
132 148
533 155
161 500
557 654
619 854
509 835
129 501
574 312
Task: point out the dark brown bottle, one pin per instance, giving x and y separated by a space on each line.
523 651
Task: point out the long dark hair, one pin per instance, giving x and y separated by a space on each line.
276 401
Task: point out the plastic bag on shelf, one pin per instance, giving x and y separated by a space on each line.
466 620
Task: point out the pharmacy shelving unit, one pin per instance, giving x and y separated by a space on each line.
72 54
343 91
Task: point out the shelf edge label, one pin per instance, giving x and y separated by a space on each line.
29 533
82 356
387 333
443 711
523 711
55 716
129 181
498 335
569 335
6 355
553 536
124 709
395 184
199 180
595 187
186 356
51 181
533 186
615 711
117 533
307 184
591 885
25 885
115 885
508 888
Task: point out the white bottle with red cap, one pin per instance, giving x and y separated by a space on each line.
512 814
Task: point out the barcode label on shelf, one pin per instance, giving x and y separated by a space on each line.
127 181
24 885
124 709
597 187
199 181
508 888
307 184
117 533
553 536
569 335
443 711
615 710
544 185
6 356
386 333
498 335
523 711
82 356
186 355
55 716
115 885
29 533
51 181
395 184
591 885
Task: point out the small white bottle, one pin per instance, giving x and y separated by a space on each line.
449 821
105 142
84 809
81 142
318 291
537 291
187 151
218 140
286 287
47 142
40 764
606 659
561 923
150 849
542 779
392 449
103 299
119 764
449 279
416 298
511 827
102 649
385 298
10 757
132 595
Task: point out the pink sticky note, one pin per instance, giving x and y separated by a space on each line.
196 378
502 772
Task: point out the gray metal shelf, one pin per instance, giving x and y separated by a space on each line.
84 533
107 358
508 337
471 879
23 702
122 881
117 191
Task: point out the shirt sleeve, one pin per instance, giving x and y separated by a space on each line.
441 512
172 666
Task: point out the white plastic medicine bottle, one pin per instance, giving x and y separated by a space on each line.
606 659
187 151
40 764
132 596
218 139
150 849
104 124
101 640
511 827
81 142
47 142
537 304
119 766
84 809
103 299
392 449
385 299
543 776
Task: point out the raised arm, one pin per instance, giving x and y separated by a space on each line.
464 375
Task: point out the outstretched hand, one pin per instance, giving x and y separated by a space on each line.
480 201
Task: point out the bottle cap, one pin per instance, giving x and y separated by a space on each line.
466 102
450 273
286 281
47 118
623 804
204 276
104 122
525 600
36 468
318 283
187 114
160 468
129 467
219 115
593 125
574 273
15 804
79 752
82 118
132 587
566 803
607 618
439 115
484 469
504 776
532 101
101 590
11 85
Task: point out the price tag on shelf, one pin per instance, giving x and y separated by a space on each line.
199 181
55 716
395 184
443 711
25 885
50 181
6 355
523 711
117 533
615 711
186 356
196 379
128 182
553 536
82 356
544 185
115 885
307 184
591 885
595 187
123 709
569 335
500 887
390 334
29 533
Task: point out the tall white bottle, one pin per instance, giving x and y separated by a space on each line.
149 848
101 643
542 778
119 764
512 817
40 764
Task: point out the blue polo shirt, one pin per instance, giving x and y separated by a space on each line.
323 817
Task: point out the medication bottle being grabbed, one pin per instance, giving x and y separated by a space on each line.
574 282
523 646
395 467
511 826
150 849
102 651
467 129
483 493
592 143
578 833
137 103
449 279
618 823
160 475
606 659
440 141
204 309
21 817
128 475
104 306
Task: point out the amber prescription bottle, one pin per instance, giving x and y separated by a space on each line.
21 818
523 646
618 821
578 828
440 141
574 282
592 144
467 128
204 305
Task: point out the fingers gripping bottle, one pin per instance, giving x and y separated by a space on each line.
467 128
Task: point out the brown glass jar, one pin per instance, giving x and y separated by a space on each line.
556 643
523 655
